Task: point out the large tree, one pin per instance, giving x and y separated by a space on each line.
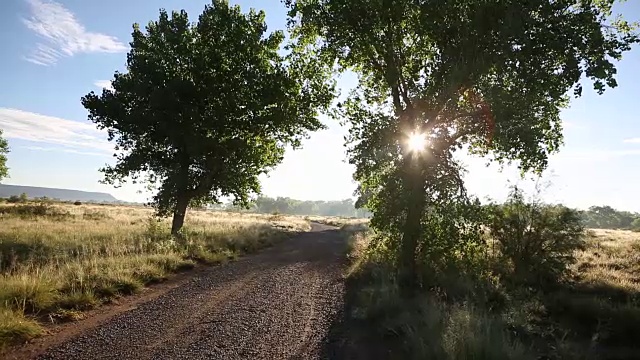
204 108
4 150
489 76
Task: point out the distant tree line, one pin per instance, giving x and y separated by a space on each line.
606 217
285 205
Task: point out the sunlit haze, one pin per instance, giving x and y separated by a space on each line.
417 141
50 59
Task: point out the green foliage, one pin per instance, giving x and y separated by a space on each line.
205 108
462 76
538 240
4 150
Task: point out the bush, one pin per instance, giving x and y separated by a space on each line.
537 240
77 203
13 199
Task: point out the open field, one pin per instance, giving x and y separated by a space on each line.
57 260
593 314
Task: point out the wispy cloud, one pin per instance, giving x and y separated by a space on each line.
632 140
65 150
73 136
63 35
103 84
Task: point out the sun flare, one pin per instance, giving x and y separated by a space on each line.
417 142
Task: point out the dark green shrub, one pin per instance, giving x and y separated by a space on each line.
538 240
13 199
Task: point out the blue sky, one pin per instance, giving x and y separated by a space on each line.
53 53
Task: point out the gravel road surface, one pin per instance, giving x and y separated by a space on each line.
279 304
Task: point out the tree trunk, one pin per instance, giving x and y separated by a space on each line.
178 214
412 227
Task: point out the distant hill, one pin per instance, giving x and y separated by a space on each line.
61 194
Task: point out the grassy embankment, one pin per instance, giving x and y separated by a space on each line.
57 260
593 314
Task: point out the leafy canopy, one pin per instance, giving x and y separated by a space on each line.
204 108
466 70
4 150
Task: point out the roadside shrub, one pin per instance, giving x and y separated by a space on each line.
537 240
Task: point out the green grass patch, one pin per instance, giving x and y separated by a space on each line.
16 328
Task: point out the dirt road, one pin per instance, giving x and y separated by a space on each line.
279 304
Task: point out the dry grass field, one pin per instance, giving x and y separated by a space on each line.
57 260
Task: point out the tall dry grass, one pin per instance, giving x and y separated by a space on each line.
601 306
595 314
57 260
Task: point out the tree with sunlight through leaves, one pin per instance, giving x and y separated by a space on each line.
205 108
435 77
